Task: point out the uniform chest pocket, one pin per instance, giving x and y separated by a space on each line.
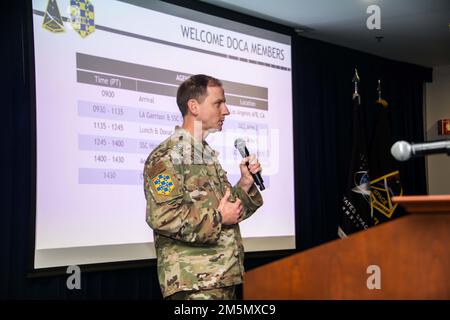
201 183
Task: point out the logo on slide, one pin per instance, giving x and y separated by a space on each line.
82 17
52 18
163 184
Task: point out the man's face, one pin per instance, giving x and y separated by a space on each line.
213 110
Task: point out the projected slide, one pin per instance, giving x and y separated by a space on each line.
107 73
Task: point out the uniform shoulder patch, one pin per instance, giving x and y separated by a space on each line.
162 181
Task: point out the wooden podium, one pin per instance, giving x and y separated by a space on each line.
412 253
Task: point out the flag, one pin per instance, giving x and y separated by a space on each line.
384 170
356 208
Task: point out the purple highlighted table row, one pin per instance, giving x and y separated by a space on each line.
127 145
125 113
115 144
148 116
127 177
110 176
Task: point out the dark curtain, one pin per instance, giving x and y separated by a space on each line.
16 205
323 90
322 127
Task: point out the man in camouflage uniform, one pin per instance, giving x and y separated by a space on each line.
191 207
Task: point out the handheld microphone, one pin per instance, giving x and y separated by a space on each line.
402 150
240 145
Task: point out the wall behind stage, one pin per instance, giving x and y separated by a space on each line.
438 107
322 122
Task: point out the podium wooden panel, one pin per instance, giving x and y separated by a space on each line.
413 253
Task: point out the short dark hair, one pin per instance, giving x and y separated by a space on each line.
196 88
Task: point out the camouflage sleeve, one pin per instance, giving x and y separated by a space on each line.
251 201
172 212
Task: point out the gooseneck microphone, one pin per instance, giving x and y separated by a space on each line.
240 145
402 150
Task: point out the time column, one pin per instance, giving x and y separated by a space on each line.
108 143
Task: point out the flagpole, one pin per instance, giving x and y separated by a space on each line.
356 209
356 80
379 90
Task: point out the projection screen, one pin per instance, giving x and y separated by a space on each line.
106 75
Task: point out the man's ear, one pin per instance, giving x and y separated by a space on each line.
192 105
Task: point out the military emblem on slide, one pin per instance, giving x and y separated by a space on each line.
163 184
52 18
82 17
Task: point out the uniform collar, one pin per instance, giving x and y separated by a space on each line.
201 151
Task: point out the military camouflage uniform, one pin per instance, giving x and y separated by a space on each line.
184 183
225 293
